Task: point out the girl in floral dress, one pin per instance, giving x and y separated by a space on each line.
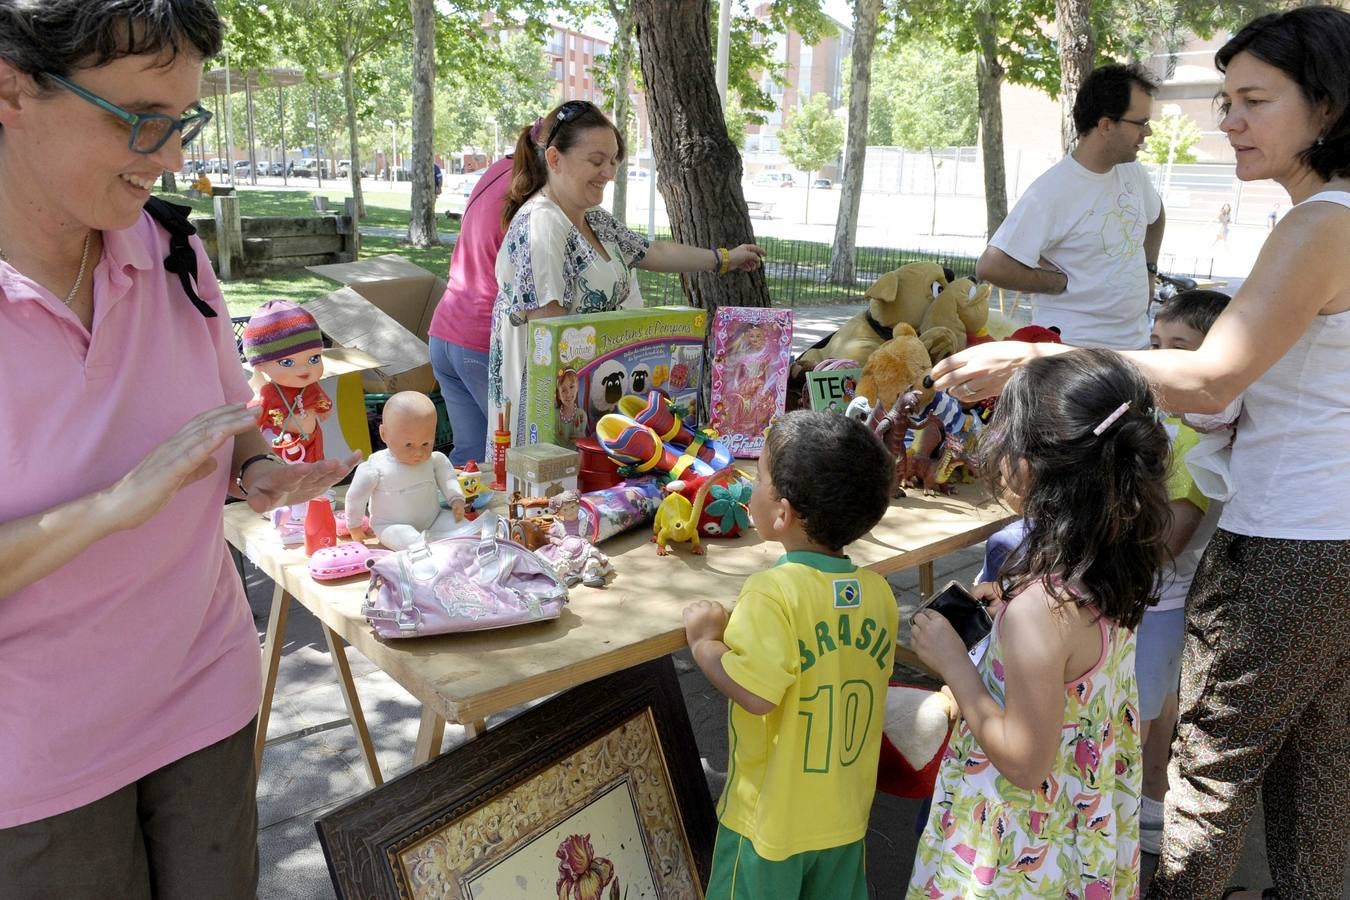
1038 795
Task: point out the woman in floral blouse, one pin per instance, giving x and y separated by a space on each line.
563 254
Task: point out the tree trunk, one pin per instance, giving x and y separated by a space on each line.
700 167
1076 52
866 17
353 143
623 64
422 224
806 215
989 80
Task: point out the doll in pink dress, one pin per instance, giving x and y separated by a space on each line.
751 377
284 344
573 558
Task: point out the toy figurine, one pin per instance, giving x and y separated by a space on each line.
681 512
399 483
477 497
283 343
573 558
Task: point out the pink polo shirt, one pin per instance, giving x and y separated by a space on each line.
464 315
142 649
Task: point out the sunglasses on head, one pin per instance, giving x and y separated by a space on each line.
566 113
149 131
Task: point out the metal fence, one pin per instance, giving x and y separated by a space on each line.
797 273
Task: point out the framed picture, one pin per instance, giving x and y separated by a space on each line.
596 794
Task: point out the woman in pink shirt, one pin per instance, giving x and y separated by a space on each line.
462 325
129 675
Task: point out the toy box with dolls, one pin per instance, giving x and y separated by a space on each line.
751 355
580 367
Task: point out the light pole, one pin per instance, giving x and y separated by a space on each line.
393 143
1172 118
496 136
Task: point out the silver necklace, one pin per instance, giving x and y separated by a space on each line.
79 279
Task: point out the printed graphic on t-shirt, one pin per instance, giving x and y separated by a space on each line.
847 593
835 724
1123 228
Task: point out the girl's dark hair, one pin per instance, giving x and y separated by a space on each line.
57 36
1095 504
529 172
1312 46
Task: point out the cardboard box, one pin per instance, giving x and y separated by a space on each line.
385 310
541 470
606 356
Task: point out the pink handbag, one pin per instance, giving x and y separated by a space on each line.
467 582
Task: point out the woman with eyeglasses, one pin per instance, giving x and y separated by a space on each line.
1265 679
129 677
563 253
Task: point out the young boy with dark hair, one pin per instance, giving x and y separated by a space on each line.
805 659
1181 324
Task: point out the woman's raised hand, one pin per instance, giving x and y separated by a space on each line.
747 257
283 485
982 370
185 457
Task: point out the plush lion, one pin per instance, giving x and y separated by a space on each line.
897 366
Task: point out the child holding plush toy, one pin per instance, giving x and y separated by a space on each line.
399 483
806 654
1038 794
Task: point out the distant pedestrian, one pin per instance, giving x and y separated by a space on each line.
1224 218
1273 217
436 173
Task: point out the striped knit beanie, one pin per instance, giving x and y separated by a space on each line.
278 329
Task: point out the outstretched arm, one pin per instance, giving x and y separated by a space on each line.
668 256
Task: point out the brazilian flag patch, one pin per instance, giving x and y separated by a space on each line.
847 593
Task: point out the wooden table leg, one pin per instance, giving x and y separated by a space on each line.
430 735
925 580
271 659
353 702
475 728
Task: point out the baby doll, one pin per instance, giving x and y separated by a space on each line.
573 558
571 418
399 483
283 342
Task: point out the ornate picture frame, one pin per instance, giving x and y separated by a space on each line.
596 794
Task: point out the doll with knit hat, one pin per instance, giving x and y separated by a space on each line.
283 342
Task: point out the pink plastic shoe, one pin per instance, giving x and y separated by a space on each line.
632 444
655 412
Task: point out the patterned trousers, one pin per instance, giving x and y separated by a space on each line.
1265 706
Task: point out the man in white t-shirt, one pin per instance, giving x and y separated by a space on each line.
1084 238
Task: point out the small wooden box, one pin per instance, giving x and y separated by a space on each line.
541 470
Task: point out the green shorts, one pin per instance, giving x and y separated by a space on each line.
739 873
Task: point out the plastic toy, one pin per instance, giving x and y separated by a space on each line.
573 558
399 483
680 516
283 343
342 561
477 497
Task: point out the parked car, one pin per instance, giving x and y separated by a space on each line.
823 183
773 179
344 169
277 169
301 169
635 173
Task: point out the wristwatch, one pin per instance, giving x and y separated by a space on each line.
1152 268
243 467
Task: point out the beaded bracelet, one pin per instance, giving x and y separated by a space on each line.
725 256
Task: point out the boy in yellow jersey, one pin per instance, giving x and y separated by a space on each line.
805 659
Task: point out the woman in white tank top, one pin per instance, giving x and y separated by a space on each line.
1265 693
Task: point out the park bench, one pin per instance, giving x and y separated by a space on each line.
763 207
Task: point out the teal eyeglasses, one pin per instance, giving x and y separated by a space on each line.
149 131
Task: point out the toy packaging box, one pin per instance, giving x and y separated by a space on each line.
579 367
751 354
833 389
